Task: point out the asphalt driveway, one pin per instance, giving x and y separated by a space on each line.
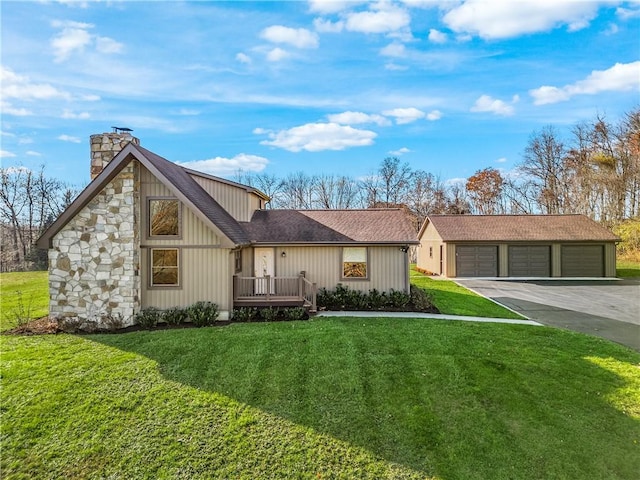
607 308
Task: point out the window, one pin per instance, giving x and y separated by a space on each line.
430 252
354 262
165 267
237 260
164 217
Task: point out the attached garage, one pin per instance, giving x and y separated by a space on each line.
477 260
522 246
582 261
529 260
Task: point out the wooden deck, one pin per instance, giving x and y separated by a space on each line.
274 292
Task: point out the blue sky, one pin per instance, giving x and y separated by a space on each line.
450 87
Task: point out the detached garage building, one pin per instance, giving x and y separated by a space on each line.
516 246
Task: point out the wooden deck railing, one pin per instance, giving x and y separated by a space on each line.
275 289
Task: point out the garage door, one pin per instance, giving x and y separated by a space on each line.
529 261
477 260
582 261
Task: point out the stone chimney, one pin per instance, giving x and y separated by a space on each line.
105 146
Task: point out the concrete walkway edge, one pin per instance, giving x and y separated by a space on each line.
432 316
494 301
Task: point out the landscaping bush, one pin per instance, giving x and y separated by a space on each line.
342 298
112 321
148 317
203 313
269 314
295 313
175 316
398 299
245 314
377 300
421 300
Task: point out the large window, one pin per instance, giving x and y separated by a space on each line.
165 267
164 217
354 262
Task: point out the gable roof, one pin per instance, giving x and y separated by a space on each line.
504 228
175 177
370 226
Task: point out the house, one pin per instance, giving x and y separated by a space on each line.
147 232
516 246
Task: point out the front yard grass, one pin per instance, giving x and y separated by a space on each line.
627 268
327 398
22 294
453 299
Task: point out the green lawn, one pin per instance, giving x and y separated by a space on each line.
327 398
22 293
452 299
627 268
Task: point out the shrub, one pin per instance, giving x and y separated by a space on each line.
175 316
295 313
421 300
112 321
245 314
69 324
203 313
269 314
398 299
377 300
148 317
22 312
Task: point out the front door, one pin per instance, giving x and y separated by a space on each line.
263 266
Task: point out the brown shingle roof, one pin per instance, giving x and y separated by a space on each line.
504 228
174 176
373 226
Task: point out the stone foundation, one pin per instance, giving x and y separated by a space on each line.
94 261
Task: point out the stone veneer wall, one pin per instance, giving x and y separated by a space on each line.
105 146
94 261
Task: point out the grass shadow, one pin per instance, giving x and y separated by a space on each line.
449 399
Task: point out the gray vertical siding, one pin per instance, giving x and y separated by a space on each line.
205 269
388 266
235 200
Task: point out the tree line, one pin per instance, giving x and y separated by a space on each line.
595 171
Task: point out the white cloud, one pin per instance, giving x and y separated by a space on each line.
108 45
277 54
434 115
355 118
327 26
228 166
188 112
386 18
6 134
316 137
485 103
6 154
394 67
501 160
25 141
243 58
505 18
297 37
331 6
627 13
20 87
68 41
75 37
68 138
394 49
436 36
399 152
68 114
621 77
405 115
7 109
32 153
